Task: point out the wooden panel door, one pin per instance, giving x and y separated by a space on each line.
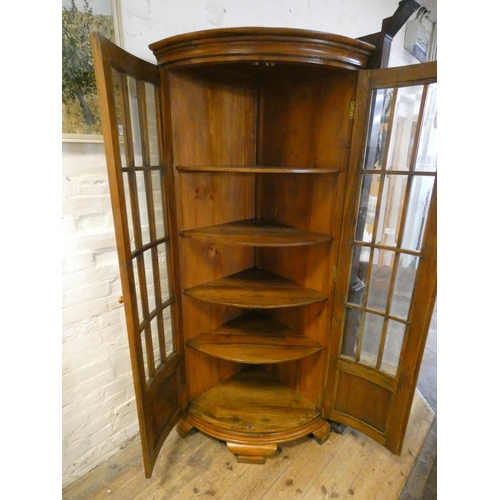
142 197
386 285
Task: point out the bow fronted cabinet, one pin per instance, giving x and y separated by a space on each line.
275 211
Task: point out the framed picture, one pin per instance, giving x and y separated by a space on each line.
81 121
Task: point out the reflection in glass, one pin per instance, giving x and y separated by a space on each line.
418 209
372 333
142 206
391 210
427 147
351 332
403 287
380 280
404 127
377 136
156 337
157 188
152 125
163 271
367 207
359 269
167 326
134 121
392 348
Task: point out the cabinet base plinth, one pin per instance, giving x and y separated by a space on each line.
183 428
250 453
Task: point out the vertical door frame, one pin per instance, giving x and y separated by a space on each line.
404 384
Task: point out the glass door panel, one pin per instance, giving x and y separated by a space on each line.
392 215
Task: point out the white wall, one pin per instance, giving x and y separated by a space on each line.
98 403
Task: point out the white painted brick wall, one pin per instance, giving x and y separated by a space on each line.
99 412
98 398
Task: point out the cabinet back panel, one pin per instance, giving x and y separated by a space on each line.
212 124
306 125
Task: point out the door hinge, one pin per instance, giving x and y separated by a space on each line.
334 274
352 107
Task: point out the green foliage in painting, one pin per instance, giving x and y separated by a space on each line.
80 108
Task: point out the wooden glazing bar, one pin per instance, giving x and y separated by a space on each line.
148 184
107 78
389 130
144 168
376 223
149 245
377 313
155 313
404 213
400 172
136 223
416 141
396 250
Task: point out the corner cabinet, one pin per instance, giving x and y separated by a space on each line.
263 227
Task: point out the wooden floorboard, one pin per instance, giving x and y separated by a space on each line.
348 465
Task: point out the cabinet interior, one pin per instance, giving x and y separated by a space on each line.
234 127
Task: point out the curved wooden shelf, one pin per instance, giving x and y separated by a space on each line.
254 339
255 288
255 232
256 169
251 403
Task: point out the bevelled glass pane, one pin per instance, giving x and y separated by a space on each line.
367 207
128 207
404 127
163 270
167 325
351 332
372 333
135 268
150 286
157 187
143 206
427 146
119 119
134 119
144 354
155 337
377 135
380 279
359 266
418 209
152 124
392 348
391 210
403 286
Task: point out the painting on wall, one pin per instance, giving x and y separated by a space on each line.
81 120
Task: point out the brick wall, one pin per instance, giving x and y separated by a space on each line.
98 398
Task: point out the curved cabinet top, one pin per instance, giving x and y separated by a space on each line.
267 45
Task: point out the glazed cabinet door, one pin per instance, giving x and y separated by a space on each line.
142 197
386 285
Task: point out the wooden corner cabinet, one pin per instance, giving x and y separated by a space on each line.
274 206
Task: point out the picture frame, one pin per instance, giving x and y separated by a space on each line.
80 110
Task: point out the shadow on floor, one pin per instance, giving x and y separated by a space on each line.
422 481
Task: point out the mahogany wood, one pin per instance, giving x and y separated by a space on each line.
254 339
255 232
